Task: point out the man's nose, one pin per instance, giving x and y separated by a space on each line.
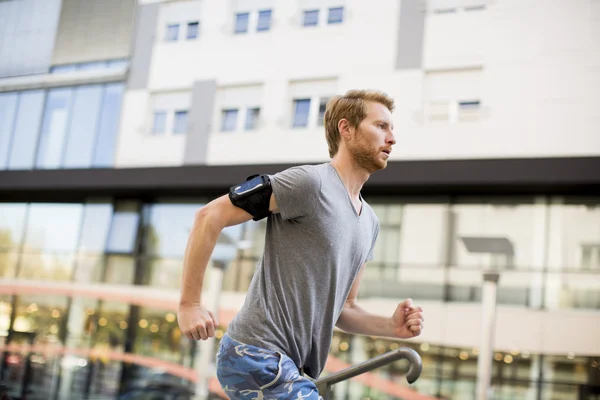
391 139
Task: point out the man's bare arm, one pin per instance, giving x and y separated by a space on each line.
406 322
195 321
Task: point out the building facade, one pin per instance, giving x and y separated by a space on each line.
120 119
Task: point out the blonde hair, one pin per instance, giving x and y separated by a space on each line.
353 107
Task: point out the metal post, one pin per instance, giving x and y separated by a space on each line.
206 348
488 327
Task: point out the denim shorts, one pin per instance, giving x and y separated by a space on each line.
249 372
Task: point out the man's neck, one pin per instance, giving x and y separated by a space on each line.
353 177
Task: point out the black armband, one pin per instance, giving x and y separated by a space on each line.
253 196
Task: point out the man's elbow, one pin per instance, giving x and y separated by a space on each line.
208 217
342 322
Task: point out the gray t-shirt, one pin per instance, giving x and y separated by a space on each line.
314 249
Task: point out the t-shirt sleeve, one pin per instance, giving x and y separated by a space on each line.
375 234
296 191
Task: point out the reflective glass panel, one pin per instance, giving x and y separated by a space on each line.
53 227
95 227
168 228
81 138
54 128
27 126
124 228
109 126
8 110
12 223
488 233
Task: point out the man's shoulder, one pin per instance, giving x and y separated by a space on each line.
312 172
311 168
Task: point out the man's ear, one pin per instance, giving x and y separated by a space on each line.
345 128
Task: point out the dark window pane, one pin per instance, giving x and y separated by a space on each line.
311 17
172 32
264 20
115 64
94 229
322 106
159 124
12 222
109 125
53 227
229 123
252 118
60 69
301 110
192 30
241 22
180 122
29 115
336 15
54 128
83 126
123 230
94 65
8 111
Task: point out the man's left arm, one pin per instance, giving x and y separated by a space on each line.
406 322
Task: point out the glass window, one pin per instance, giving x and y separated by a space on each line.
172 32
109 324
119 63
120 270
574 239
8 264
89 268
46 265
229 120
160 122
192 30
336 15
165 273
322 106
61 69
85 115
43 315
12 222
54 128
53 227
27 125
252 118
311 17
180 121
488 233
94 229
264 20
124 228
241 22
8 109
301 111
109 125
168 228
89 66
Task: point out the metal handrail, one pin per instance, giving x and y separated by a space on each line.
416 366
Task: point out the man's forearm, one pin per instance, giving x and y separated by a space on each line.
354 319
201 243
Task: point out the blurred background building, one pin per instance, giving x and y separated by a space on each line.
120 118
